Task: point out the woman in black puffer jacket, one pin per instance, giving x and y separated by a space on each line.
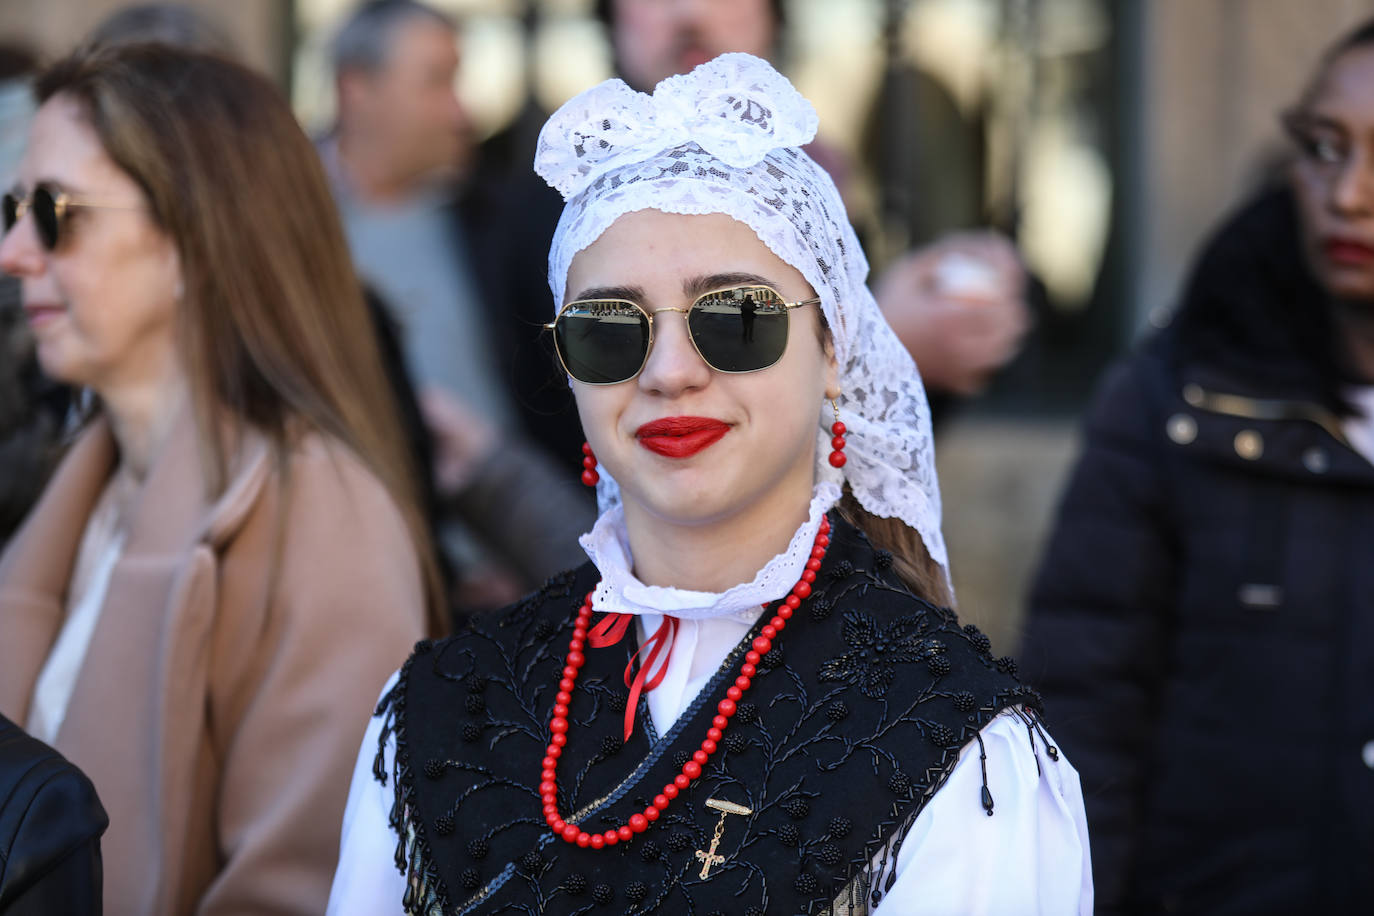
1203 625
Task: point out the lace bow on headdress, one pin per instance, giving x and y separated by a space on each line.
730 107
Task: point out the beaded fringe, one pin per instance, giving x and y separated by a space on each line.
867 889
425 894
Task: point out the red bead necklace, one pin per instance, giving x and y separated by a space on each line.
725 709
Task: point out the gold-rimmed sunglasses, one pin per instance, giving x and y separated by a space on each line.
736 329
50 208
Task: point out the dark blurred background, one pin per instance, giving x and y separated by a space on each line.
1106 138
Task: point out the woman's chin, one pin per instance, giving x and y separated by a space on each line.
55 363
683 509
1357 302
58 363
710 500
1350 286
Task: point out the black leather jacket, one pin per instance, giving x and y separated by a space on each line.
50 827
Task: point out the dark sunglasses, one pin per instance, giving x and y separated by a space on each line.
49 209
607 341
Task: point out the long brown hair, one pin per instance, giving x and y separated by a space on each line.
275 332
910 558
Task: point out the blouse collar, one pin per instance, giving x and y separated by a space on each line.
608 546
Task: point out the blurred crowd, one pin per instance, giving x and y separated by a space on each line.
273 408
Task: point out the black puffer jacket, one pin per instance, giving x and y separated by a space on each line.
1203 626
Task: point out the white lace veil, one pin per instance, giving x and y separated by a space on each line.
724 139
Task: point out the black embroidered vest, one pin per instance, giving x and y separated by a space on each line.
852 723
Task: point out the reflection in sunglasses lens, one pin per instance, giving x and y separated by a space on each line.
602 342
742 330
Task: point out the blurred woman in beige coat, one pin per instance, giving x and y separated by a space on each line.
230 558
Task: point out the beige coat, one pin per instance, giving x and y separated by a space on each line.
221 704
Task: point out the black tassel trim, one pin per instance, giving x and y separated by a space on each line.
413 858
879 881
983 762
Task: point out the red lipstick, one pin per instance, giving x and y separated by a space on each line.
1346 252
681 437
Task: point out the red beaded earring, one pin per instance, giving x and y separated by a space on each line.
589 474
837 429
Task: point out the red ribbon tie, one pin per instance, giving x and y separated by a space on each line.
610 629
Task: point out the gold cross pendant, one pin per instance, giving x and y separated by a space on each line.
708 857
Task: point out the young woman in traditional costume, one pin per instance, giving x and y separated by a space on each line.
752 699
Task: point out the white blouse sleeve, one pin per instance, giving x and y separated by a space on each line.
367 882
1030 857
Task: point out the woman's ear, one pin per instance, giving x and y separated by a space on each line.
832 366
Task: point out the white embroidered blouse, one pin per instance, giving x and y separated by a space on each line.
1031 857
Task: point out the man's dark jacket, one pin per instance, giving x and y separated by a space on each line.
1202 628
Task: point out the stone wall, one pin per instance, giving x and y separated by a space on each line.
1000 480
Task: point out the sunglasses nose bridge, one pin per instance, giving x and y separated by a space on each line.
653 329
667 348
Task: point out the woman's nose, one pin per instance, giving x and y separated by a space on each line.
20 254
674 366
1352 191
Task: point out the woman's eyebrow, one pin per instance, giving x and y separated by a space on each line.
1313 120
691 287
695 286
631 293
56 185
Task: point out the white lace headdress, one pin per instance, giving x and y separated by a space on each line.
724 139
